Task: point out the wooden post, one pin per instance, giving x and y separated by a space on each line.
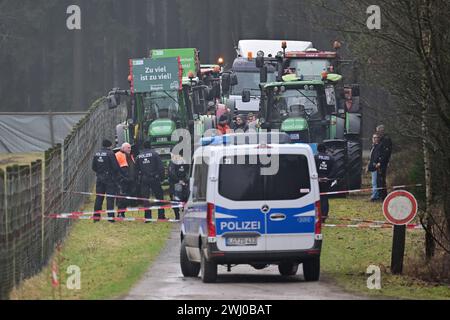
398 249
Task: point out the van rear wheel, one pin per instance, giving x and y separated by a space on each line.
288 268
188 268
311 269
209 269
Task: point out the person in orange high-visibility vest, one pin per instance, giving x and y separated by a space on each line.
127 181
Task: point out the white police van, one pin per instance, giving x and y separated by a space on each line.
246 209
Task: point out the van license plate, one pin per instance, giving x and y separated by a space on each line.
237 242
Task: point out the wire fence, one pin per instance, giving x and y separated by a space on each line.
30 193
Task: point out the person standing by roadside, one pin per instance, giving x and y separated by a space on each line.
178 181
325 170
127 178
150 171
385 157
105 167
252 122
373 166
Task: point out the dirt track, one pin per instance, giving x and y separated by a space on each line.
164 280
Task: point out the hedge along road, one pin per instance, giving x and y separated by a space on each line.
164 280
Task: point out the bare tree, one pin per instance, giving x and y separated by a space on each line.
409 57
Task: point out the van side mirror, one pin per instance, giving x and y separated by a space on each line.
113 99
207 93
263 74
226 83
246 96
265 126
233 79
214 92
259 62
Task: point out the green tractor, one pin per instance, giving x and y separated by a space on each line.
161 101
203 87
309 102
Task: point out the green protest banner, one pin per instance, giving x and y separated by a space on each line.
150 75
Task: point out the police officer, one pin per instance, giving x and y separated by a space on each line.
127 178
385 156
325 166
178 181
150 172
105 166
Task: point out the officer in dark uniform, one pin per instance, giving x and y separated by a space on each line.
106 168
178 181
325 166
385 156
150 172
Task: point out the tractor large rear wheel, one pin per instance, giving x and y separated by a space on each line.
354 150
338 150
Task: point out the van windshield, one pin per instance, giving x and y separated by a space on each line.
244 182
250 81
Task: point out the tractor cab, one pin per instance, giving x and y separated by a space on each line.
309 65
161 113
302 109
309 102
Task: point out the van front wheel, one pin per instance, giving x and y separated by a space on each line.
288 268
188 268
311 269
209 269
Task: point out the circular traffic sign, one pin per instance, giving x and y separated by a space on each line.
400 207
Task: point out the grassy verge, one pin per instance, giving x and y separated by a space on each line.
112 257
347 253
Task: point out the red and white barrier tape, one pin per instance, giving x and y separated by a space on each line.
121 197
91 213
55 281
77 217
369 189
371 226
176 202
358 220
90 216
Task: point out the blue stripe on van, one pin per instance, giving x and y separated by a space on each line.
291 225
253 220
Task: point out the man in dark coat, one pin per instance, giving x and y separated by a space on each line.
385 157
106 168
325 170
150 171
178 181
